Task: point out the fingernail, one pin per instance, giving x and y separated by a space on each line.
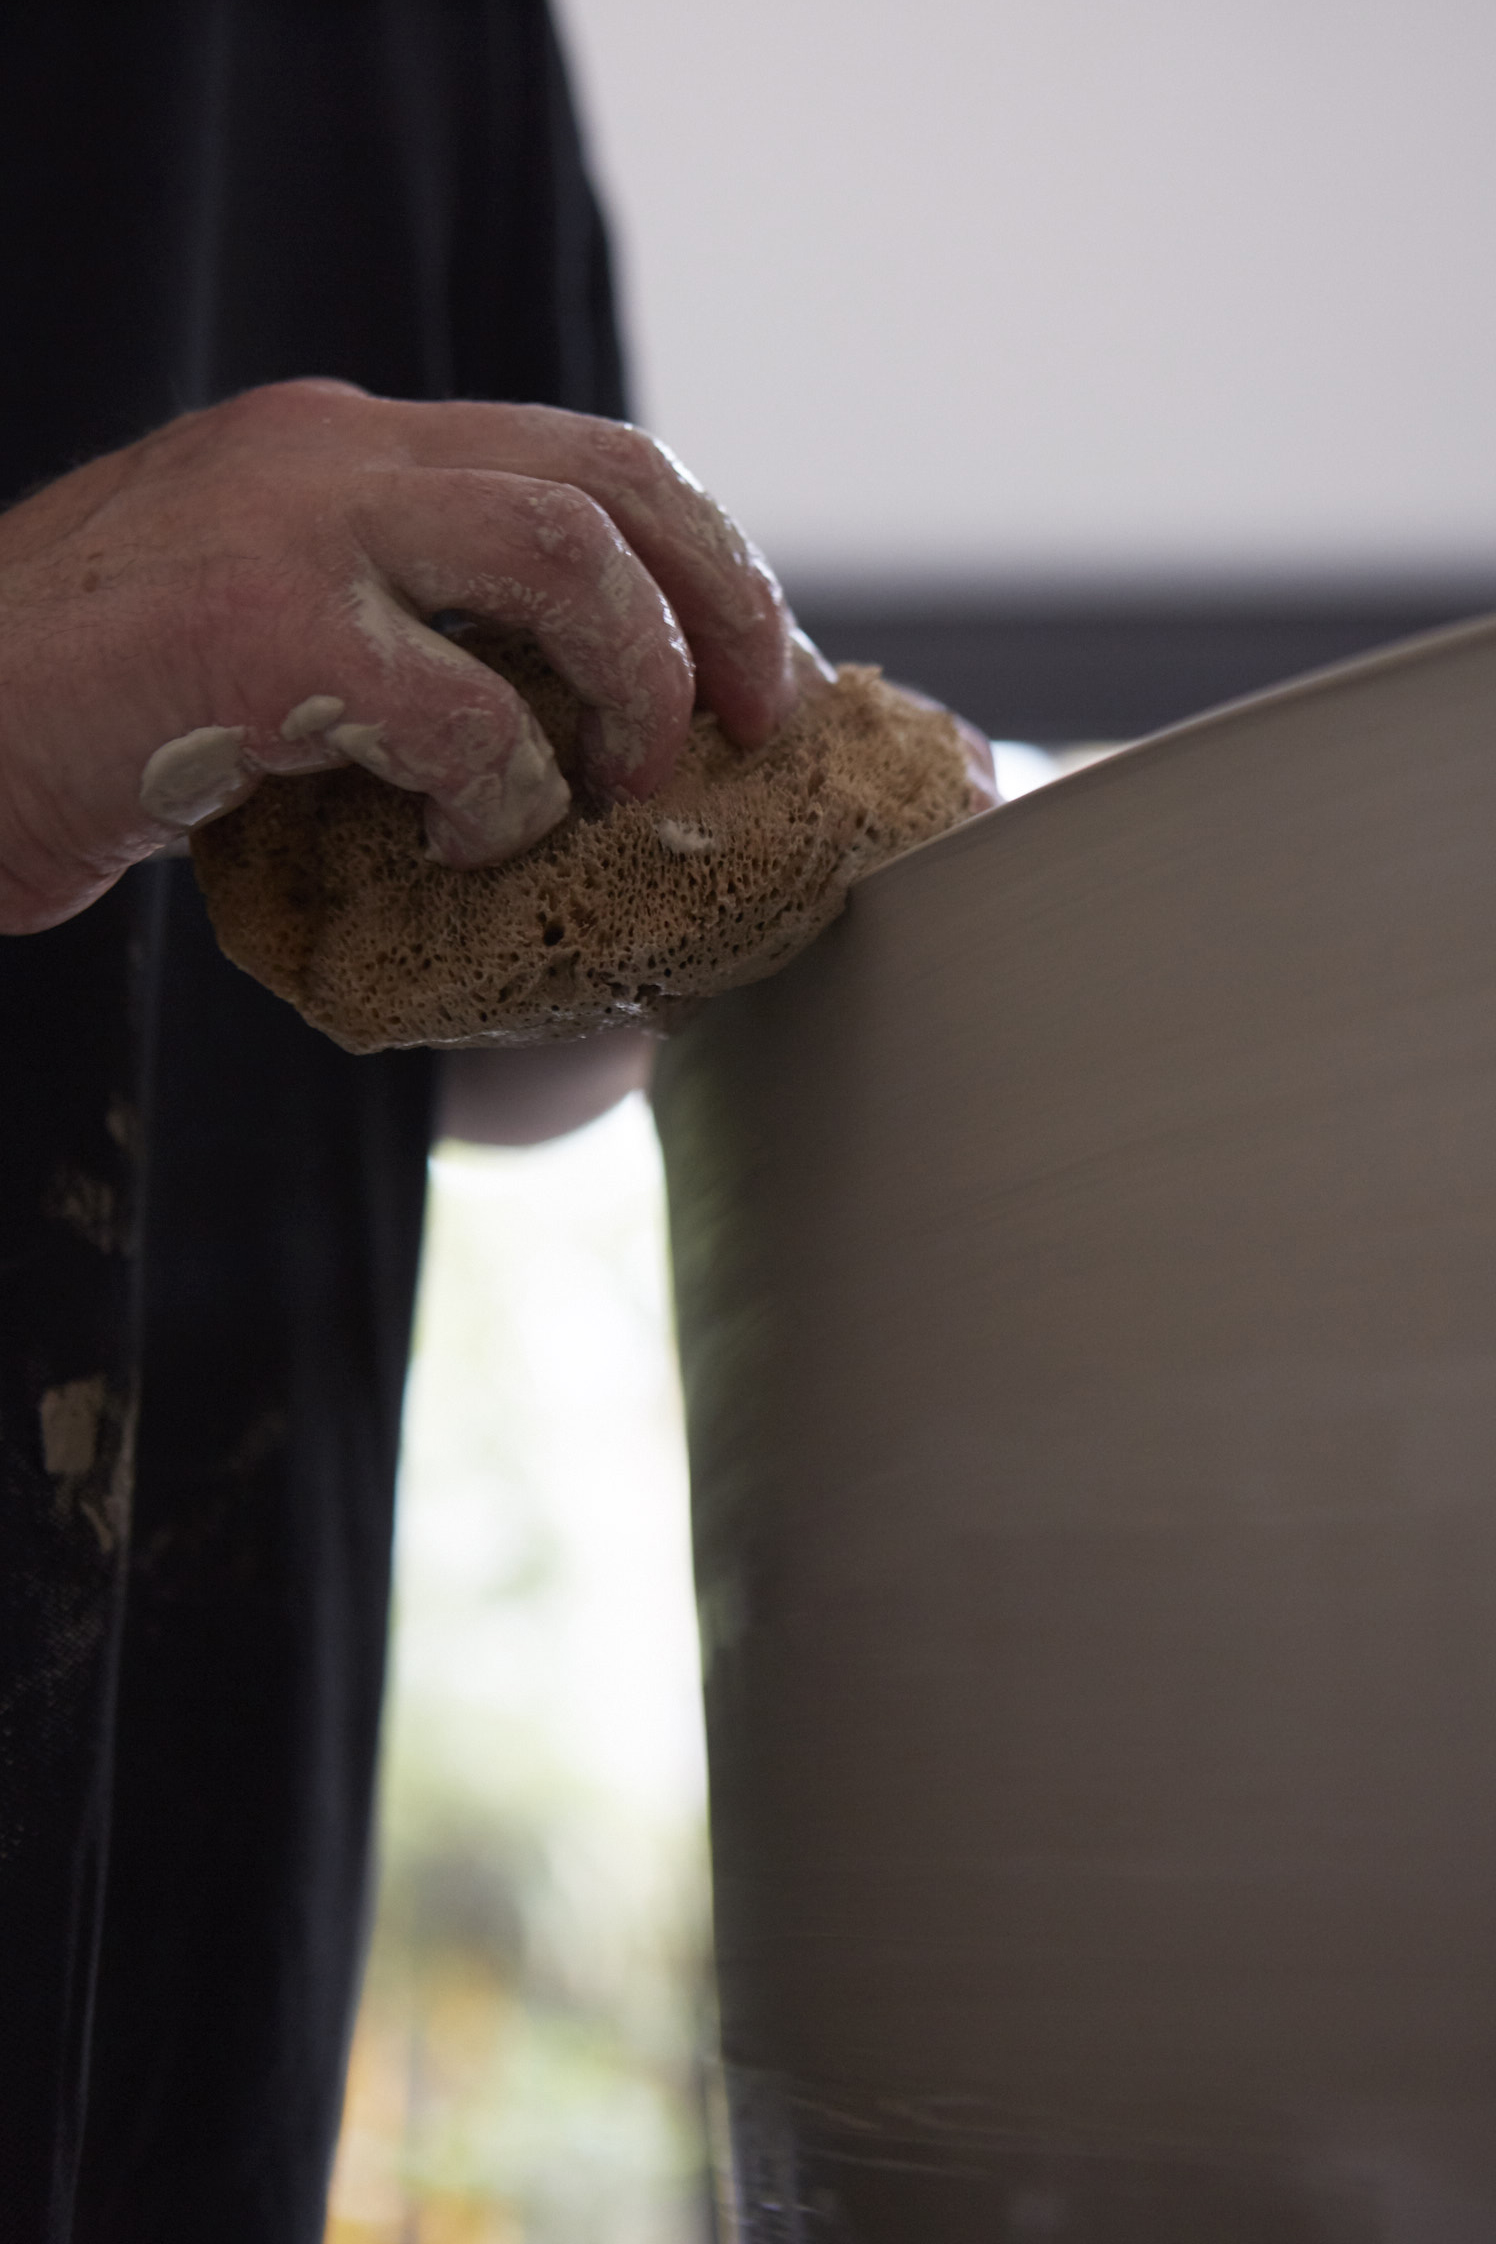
624 745
499 813
364 744
808 659
807 675
445 845
615 754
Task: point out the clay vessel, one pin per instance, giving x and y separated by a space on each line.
1086 1266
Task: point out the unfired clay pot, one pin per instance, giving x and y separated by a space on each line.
1086 1261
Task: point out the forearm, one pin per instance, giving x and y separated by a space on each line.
521 1097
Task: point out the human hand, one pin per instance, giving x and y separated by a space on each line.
520 1095
245 592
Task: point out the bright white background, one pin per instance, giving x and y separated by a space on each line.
1069 287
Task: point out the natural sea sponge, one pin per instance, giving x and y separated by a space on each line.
321 888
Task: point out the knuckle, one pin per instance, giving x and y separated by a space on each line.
642 460
276 405
307 393
571 526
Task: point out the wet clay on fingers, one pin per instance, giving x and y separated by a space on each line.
323 887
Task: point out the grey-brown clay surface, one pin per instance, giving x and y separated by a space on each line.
1086 1260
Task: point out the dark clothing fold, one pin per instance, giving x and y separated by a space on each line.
209 1215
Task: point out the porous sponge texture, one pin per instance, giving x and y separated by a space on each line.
321 888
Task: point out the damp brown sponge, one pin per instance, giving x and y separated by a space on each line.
320 886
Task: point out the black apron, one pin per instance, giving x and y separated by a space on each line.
209 1215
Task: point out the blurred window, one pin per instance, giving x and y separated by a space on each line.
528 2057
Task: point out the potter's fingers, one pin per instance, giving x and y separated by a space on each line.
398 699
721 588
546 558
422 715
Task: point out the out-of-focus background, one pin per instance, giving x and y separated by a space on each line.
1090 288
1088 362
530 2054
1085 364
